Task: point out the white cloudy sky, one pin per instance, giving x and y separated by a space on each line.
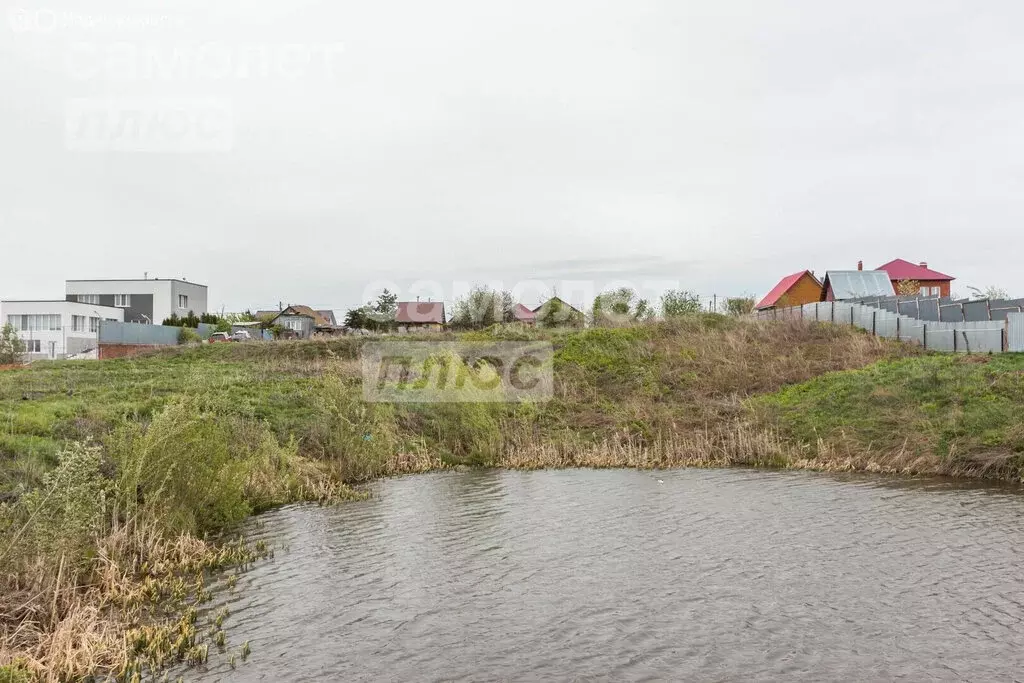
719 145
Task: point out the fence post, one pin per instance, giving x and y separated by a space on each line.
817 317
874 323
924 337
852 324
898 335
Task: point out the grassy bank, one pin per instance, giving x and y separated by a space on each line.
104 466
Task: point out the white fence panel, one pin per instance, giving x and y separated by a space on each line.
1015 332
886 325
911 330
941 340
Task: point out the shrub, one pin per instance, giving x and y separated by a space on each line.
11 346
356 437
556 313
481 308
739 305
676 303
186 335
190 320
621 307
64 516
199 468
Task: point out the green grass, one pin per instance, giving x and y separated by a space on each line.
635 384
644 382
950 407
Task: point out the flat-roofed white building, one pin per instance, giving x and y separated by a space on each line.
57 329
150 300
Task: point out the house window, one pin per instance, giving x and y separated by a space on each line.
35 323
122 300
936 291
33 346
94 325
93 299
294 324
78 323
182 302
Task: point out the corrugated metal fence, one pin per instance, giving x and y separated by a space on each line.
112 332
1015 332
985 336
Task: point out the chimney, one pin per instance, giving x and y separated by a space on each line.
860 265
924 264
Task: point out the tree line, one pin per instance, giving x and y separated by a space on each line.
483 307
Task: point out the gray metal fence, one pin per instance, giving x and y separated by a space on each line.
958 335
1015 332
113 332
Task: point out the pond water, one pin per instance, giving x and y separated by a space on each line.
624 575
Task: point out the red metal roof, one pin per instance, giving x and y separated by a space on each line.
905 270
785 284
524 314
420 312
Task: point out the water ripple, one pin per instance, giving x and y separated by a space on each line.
582 575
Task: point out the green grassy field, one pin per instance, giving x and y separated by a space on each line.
948 414
636 385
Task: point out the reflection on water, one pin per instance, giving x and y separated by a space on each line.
622 575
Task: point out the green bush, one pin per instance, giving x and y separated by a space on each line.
199 468
64 515
11 346
186 335
676 303
16 673
355 436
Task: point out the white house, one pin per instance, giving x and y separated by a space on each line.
57 329
143 301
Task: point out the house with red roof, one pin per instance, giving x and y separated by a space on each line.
417 316
926 282
793 290
524 315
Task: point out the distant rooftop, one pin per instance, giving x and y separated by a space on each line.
901 269
857 284
141 279
420 312
56 301
524 314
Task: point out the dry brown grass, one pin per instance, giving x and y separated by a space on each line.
130 609
742 445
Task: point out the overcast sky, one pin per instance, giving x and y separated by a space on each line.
337 145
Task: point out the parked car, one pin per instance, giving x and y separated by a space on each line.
220 337
241 336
